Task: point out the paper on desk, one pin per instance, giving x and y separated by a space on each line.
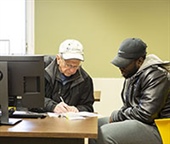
74 116
20 112
51 114
69 115
87 114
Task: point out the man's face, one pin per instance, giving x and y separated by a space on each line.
68 67
129 70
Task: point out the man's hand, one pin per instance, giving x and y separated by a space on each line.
63 108
72 109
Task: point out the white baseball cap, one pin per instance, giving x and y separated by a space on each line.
71 49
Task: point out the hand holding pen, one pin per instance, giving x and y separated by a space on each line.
69 108
62 107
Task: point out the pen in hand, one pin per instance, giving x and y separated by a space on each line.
62 99
73 109
65 105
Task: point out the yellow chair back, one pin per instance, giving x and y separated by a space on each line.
164 129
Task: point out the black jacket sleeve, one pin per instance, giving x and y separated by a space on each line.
147 97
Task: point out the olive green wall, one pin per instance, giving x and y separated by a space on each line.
101 25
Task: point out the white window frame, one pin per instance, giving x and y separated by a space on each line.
7 41
30 27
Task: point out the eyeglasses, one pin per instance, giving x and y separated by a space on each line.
69 65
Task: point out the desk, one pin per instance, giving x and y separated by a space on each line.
49 130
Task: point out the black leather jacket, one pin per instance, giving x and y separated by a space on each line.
76 91
146 95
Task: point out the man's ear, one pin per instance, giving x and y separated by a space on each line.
58 57
140 61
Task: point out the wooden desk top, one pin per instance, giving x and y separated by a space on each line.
52 127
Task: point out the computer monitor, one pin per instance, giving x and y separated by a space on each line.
21 83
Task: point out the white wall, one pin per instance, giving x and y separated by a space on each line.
110 94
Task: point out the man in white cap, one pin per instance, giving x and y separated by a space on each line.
145 96
68 87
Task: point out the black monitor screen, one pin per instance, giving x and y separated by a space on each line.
22 81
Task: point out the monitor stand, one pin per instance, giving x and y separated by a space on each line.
11 121
4 113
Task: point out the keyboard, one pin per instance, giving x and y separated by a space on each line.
27 114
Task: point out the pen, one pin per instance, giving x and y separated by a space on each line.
61 99
64 102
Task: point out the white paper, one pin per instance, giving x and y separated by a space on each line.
73 115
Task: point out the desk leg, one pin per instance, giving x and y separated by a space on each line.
26 140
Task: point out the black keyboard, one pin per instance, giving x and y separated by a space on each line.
27 114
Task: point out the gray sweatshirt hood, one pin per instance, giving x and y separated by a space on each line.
154 60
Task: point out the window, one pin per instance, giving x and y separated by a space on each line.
15 16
